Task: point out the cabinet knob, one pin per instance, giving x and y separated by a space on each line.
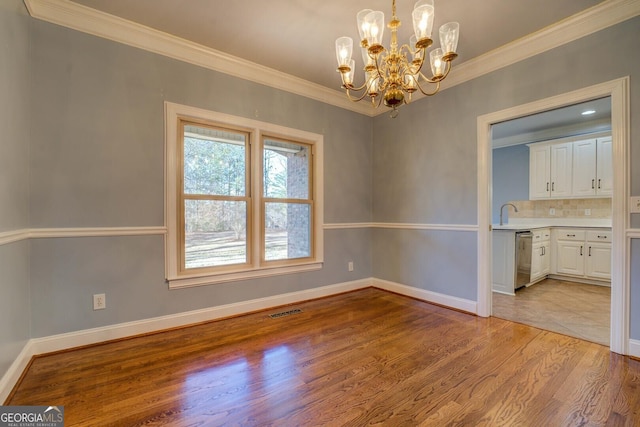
602 237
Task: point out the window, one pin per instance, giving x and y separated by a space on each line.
243 198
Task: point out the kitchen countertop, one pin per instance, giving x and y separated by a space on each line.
534 223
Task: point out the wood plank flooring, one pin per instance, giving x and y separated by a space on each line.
368 357
570 308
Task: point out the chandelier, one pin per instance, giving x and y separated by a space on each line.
390 76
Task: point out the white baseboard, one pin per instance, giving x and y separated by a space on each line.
429 296
11 377
634 348
123 330
69 340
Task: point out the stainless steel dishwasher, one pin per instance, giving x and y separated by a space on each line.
524 240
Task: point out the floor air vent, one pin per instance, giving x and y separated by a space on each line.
285 313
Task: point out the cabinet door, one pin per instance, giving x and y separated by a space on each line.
539 172
561 170
598 263
584 168
570 258
545 268
539 260
537 253
604 161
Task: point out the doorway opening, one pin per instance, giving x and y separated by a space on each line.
617 90
558 285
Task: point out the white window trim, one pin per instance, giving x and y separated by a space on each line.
175 111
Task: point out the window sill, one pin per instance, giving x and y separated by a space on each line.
191 281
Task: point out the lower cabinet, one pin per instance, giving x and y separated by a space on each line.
540 254
584 253
598 264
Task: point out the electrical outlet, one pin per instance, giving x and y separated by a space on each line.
552 211
350 265
99 301
587 212
634 204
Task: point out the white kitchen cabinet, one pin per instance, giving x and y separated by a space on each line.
540 255
561 170
598 261
570 258
592 168
578 168
539 172
604 167
550 170
584 253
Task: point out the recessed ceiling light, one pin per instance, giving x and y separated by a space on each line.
588 112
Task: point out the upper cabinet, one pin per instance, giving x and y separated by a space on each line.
550 168
560 170
592 168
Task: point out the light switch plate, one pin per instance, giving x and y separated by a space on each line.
634 204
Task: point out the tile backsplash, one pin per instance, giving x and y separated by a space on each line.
564 208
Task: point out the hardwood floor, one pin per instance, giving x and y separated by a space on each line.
570 308
364 358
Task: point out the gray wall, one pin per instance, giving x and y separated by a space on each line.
425 161
510 178
90 113
14 179
97 161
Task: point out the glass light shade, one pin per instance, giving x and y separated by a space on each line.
375 20
437 64
449 34
348 77
423 19
363 25
344 49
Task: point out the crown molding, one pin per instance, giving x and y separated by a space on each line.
81 18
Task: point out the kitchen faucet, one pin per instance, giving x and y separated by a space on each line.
502 207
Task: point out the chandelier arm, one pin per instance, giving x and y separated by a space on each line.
439 79
379 69
358 98
427 79
437 83
373 101
357 89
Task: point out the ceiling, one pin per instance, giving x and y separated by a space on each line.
297 36
560 122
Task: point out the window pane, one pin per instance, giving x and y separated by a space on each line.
287 231
286 170
214 162
215 233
